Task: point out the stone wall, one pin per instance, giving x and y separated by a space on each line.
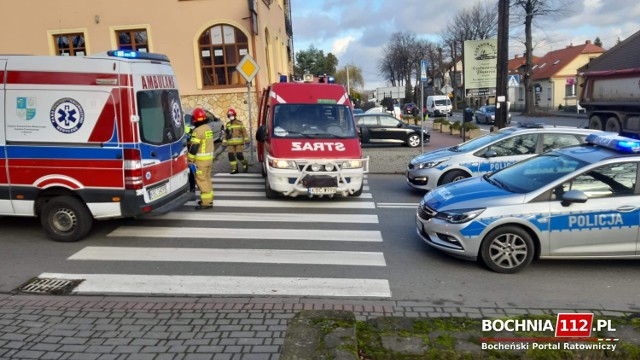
218 104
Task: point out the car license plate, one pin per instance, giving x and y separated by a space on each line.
158 192
322 190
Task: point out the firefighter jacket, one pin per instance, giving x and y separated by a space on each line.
201 146
235 134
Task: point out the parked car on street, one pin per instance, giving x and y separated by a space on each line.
488 153
397 113
576 202
487 115
214 122
385 129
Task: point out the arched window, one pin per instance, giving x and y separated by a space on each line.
221 49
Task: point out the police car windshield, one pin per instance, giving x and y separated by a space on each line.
481 141
313 121
534 173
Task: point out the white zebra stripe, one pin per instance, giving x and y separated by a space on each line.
239 233
263 256
225 285
290 203
268 217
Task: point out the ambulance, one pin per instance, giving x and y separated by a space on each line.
84 138
308 143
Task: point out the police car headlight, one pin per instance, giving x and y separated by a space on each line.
431 164
282 164
459 216
352 164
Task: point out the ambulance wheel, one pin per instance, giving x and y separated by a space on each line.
270 193
507 249
454 175
66 219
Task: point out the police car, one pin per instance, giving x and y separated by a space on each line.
576 202
488 153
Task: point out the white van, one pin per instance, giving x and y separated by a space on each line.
439 105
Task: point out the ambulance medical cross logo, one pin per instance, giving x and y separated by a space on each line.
67 115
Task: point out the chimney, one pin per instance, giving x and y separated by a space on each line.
587 42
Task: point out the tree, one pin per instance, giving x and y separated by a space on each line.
530 10
313 61
597 41
356 80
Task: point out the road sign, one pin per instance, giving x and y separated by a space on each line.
423 70
446 89
248 68
514 81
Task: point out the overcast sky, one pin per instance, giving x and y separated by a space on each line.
356 30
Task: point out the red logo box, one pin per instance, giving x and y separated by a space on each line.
574 324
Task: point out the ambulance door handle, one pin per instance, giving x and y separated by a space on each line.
175 156
626 208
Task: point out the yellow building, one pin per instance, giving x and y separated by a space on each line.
204 39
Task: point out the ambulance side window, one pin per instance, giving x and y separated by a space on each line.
160 114
605 181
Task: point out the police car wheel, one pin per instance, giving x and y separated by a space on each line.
66 219
507 249
454 175
413 140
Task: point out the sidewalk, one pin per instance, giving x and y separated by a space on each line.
122 328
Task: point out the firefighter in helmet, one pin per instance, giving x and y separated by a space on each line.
201 154
235 139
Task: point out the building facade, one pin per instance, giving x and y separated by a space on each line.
204 39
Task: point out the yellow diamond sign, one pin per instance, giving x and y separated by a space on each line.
248 68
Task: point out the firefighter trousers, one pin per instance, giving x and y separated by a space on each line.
203 179
235 154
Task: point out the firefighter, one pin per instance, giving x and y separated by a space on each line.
201 154
235 139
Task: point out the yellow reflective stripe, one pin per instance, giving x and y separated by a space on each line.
191 156
208 135
208 195
195 140
204 157
235 126
235 142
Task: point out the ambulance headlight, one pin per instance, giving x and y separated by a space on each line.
352 164
282 164
459 216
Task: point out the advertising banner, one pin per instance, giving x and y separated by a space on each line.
480 67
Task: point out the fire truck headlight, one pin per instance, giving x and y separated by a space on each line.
282 164
352 164
328 167
316 168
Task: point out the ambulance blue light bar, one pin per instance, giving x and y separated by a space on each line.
616 142
130 54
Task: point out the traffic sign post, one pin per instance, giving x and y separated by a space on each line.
248 68
423 79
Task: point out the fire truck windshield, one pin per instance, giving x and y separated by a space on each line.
313 121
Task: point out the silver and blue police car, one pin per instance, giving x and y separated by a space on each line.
488 153
580 201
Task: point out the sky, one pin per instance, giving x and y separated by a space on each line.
355 31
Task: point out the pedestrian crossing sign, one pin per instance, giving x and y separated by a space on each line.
514 81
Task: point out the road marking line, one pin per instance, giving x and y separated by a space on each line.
261 194
225 285
268 217
237 233
264 256
223 185
290 203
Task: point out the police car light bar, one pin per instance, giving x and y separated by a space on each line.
616 142
130 54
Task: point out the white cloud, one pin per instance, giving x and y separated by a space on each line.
340 46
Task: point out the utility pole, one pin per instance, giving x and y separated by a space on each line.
503 64
348 86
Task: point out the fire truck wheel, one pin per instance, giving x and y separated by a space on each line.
268 191
66 219
358 192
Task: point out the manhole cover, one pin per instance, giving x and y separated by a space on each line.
49 286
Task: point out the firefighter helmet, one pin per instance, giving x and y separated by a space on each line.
231 112
198 116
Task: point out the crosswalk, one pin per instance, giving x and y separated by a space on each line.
245 246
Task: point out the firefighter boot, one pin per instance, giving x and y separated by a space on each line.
244 166
234 171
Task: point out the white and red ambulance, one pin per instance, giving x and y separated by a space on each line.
308 142
85 138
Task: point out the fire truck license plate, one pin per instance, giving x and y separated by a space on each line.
158 192
322 190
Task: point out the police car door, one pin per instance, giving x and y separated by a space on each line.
509 151
607 223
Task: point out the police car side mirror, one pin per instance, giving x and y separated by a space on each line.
574 196
490 153
261 134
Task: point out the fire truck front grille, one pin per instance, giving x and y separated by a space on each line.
319 168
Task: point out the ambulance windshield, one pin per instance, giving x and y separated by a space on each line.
313 121
160 116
